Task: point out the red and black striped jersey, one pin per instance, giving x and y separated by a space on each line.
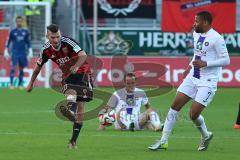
64 56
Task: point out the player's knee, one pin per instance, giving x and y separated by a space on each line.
193 115
72 98
70 92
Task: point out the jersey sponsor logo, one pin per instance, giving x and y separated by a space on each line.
61 61
199 45
200 42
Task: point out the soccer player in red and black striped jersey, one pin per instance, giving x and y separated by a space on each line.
76 78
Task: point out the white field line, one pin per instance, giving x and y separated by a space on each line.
28 112
106 135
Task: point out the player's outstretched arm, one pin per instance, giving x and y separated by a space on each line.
222 61
36 71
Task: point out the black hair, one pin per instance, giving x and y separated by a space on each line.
129 74
19 17
53 28
206 16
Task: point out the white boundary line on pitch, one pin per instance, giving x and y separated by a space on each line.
107 135
28 112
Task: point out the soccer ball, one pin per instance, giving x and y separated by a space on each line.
107 118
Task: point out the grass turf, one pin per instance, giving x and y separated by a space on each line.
30 130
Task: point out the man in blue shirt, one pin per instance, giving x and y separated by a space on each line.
18 43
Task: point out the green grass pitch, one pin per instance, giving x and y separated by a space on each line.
29 130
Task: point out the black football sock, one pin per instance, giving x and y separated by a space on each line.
21 74
76 130
12 76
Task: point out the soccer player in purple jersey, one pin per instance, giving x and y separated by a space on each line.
200 83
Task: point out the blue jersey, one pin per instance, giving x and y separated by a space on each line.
18 41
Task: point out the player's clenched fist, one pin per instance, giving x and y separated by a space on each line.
199 64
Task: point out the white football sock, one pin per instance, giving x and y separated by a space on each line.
201 126
154 119
171 119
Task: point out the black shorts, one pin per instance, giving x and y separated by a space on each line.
82 84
